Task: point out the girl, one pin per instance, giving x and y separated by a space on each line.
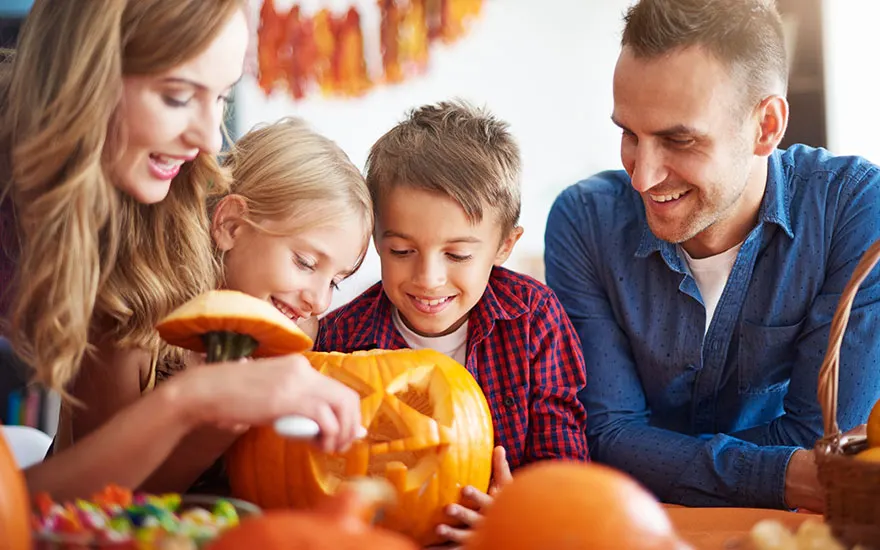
108 129
295 222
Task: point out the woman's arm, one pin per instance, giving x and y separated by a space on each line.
110 381
126 449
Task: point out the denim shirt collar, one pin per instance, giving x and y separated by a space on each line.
775 208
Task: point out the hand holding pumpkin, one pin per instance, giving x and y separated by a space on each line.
261 391
475 502
227 325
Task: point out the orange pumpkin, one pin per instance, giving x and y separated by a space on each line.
429 433
227 325
15 524
563 504
340 522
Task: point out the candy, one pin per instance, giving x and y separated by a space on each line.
116 515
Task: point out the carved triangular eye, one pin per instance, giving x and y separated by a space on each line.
429 432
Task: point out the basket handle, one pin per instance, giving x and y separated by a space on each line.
829 372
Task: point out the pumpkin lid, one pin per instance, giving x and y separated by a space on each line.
231 311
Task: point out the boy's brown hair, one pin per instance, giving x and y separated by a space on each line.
455 149
746 35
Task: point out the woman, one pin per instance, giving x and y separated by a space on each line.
110 124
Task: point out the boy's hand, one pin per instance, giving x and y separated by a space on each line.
474 504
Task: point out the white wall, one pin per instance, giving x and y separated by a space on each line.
546 70
852 78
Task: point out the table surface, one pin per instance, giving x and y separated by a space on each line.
727 528
701 528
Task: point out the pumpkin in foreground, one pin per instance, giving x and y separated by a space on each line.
576 506
429 434
340 522
15 509
229 325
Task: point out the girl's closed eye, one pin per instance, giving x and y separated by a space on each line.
177 102
397 252
303 262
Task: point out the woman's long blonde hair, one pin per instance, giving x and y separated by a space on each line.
91 258
287 172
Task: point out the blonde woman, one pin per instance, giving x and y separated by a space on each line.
109 125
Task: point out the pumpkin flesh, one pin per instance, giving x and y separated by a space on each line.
429 433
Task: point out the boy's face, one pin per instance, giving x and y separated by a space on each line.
435 262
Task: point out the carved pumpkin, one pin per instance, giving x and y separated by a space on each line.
227 325
15 524
429 433
340 522
563 504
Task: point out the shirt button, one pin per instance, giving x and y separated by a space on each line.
508 401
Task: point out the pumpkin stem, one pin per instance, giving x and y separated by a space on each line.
228 346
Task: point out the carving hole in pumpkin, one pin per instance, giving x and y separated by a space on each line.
405 442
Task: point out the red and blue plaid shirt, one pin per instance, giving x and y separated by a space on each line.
521 349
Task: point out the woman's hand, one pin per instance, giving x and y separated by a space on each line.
260 391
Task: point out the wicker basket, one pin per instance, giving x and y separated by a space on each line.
851 487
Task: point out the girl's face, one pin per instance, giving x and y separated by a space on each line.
171 118
298 272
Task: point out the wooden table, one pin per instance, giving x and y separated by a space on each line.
726 528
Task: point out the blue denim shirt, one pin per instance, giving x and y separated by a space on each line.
712 420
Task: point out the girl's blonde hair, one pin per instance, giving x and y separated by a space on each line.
91 258
287 172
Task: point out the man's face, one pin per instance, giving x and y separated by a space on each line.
688 144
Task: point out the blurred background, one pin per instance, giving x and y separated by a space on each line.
545 68
547 71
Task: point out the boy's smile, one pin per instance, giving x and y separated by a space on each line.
435 262
431 306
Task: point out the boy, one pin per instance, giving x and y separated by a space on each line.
445 188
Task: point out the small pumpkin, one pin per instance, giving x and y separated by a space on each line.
229 325
15 519
565 504
429 433
340 522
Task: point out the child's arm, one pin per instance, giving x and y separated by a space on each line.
557 419
192 456
473 503
128 447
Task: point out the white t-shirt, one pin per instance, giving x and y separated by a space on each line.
711 275
453 344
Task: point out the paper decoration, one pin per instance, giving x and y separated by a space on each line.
325 52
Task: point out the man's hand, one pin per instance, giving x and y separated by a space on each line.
474 502
802 487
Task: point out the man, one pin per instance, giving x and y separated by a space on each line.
702 279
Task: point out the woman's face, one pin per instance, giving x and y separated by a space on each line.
173 117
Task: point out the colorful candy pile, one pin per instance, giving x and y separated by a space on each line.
116 517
